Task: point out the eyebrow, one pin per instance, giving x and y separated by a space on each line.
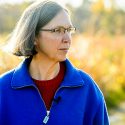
64 26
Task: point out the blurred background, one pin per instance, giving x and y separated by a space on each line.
98 45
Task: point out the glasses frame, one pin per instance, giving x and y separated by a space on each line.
61 30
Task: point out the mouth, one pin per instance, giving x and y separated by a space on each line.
64 49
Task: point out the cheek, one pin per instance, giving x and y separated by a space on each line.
53 42
49 44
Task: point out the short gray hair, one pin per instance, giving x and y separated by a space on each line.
34 17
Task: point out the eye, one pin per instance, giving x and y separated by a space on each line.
57 30
71 29
63 30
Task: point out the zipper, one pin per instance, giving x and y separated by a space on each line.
46 118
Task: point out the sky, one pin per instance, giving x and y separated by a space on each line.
75 3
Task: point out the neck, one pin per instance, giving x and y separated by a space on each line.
43 69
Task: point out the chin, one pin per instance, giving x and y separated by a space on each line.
61 59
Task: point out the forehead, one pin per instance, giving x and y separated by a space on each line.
61 19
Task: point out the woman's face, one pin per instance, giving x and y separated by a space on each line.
55 45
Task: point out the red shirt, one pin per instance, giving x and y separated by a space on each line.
48 88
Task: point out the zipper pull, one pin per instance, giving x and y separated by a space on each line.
45 120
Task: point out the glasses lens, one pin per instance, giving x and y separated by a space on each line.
72 29
59 30
63 30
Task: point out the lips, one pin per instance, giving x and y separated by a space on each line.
64 49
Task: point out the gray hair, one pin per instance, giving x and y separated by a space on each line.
34 17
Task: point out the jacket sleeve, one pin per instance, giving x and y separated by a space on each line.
101 117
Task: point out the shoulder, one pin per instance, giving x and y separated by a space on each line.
86 77
92 90
6 78
90 84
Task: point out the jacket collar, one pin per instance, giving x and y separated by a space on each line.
21 77
72 77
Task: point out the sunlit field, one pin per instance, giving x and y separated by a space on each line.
103 58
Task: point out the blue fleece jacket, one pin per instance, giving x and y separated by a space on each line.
78 100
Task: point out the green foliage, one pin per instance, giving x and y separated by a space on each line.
113 98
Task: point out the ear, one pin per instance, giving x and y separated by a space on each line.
36 41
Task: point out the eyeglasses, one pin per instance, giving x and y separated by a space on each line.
61 30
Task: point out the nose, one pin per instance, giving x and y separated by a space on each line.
66 38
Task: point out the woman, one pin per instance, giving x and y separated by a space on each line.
46 88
